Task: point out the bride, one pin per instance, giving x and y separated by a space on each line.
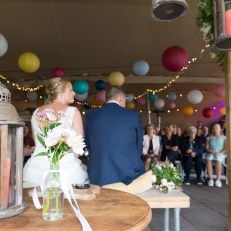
60 94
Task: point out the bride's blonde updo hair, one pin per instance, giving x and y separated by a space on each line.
54 87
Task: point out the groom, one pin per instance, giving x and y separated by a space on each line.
114 138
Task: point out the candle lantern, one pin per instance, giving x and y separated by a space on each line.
11 158
222 26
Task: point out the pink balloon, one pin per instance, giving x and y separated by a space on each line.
207 112
219 90
174 58
172 105
17 96
101 96
141 101
58 72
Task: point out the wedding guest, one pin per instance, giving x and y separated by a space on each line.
151 146
60 95
223 127
199 124
215 148
170 144
205 131
200 135
29 144
174 129
192 150
161 132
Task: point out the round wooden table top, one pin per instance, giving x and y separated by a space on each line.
110 210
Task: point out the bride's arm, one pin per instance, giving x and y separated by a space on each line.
77 125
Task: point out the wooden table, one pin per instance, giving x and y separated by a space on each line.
111 210
174 199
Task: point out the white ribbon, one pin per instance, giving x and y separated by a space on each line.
68 192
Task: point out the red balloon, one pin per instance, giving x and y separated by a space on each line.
174 58
58 72
207 112
141 101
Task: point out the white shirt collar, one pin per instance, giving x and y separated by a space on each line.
113 101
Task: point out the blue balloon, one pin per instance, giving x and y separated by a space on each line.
172 96
80 87
100 85
129 97
87 106
152 97
141 68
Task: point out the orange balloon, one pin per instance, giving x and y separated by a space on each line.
187 110
95 102
223 110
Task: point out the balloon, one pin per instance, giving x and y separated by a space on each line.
87 106
172 96
223 110
195 96
187 110
219 90
101 96
141 68
172 105
129 97
100 85
58 72
152 97
141 101
159 103
28 62
116 78
31 95
207 112
17 96
95 102
130 105
3 45
174 58
80 87
81 97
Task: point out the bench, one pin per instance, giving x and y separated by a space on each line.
174 199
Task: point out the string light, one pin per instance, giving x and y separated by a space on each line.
195 110
140 111
180 95
177 109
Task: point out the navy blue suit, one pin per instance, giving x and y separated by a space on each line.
114 138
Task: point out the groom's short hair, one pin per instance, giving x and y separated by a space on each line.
113 92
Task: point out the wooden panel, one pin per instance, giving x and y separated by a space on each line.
3 167
111 210
174 199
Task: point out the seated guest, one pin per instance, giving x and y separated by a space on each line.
215 147
200 134
192 150
169 144
161 132
151 146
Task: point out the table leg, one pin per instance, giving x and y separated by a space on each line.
176 219
166 219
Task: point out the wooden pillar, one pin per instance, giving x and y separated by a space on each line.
227 67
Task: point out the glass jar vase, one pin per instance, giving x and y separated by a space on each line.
53 198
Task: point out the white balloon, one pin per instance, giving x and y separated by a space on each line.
195 96
81 97
159 103
3 45
32 95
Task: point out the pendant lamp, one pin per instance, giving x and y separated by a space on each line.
168 10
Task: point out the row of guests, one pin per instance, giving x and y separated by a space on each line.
191 148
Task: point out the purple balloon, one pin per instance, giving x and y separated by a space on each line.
101 96
141 101
58 72
17 96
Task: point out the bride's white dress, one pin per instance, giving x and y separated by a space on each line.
36 166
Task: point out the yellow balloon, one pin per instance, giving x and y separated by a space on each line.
130 105
187 110
29 62
116 78
223 110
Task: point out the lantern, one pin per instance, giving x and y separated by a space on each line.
116 78
3 45
11 158
219 90
207 112
187 110
80 87
32 95
195 96
141 68
223 110
58 72
130 105
174 58
222 26
159 103
29 62
168 11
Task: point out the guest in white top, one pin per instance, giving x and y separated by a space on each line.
151 146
